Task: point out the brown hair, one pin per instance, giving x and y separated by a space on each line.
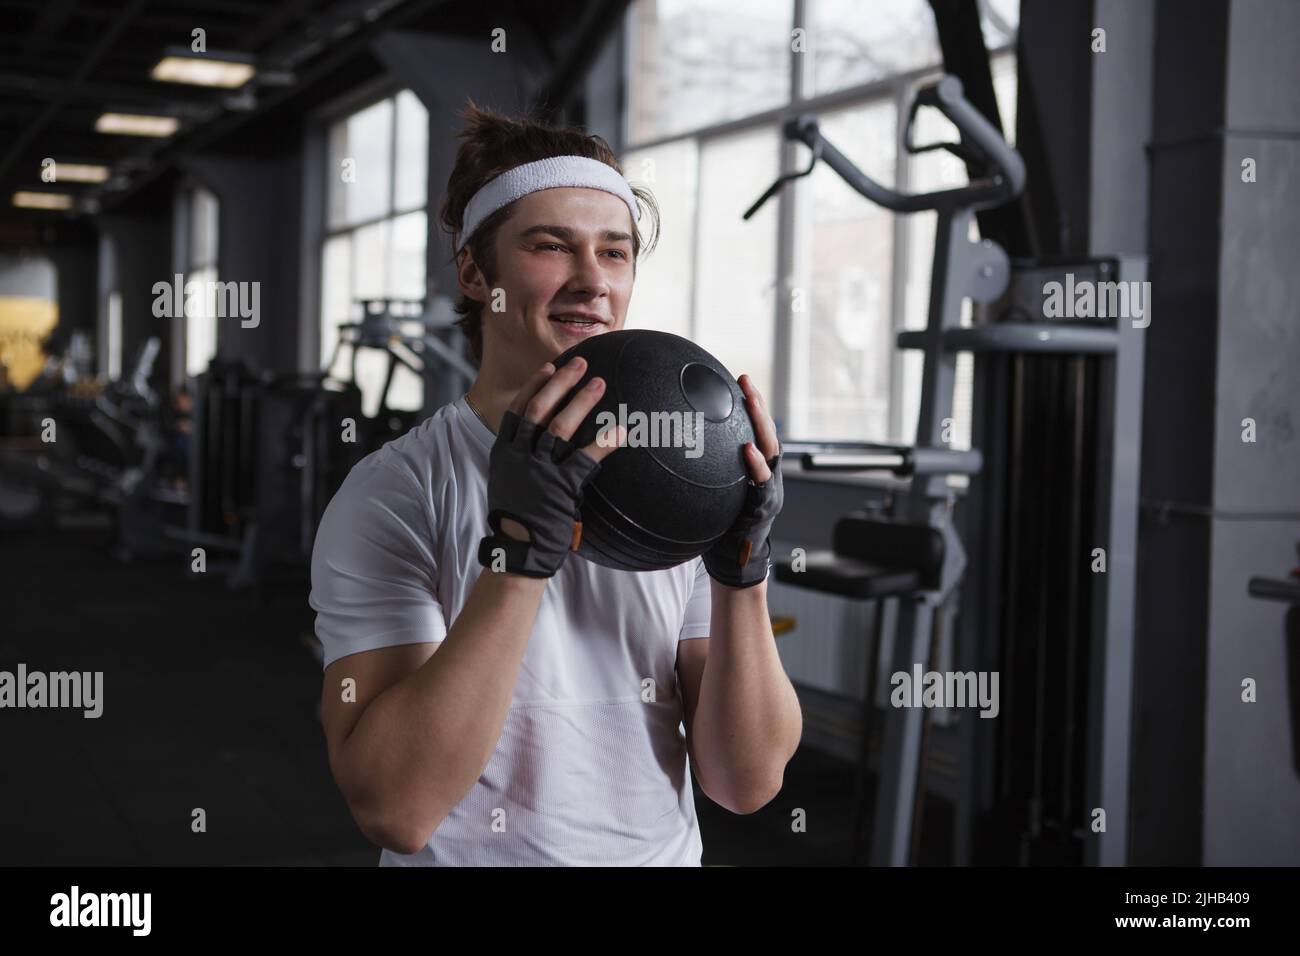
492 143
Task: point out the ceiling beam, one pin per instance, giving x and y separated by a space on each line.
106 41
356 42
284 14
48 89
254 11
598 23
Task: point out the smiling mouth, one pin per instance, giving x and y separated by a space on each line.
576 321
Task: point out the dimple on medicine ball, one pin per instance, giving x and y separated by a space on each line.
680 480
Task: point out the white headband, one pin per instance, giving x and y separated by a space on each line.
543 174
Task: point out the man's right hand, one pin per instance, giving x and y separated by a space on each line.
536 476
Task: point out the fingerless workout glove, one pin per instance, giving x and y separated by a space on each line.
535 478
739 559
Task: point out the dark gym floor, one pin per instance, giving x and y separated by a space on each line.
210 701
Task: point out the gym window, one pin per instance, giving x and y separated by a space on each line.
376 232
710 83
200 322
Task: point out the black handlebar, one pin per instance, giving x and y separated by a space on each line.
1275 590
903 460
1004 176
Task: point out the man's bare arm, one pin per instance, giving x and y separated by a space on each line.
423 725
743 718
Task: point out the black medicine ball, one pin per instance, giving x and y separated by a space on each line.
676 486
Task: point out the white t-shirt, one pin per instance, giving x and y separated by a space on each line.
586 771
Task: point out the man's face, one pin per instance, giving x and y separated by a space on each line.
563 258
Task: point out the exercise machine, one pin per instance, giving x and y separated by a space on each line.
110 446
270 451
911 552
915 555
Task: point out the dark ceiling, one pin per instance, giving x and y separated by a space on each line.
63 62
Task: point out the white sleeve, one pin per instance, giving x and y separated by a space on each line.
695 619
373 571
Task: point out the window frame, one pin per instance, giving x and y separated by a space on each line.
316 173
330 232
191 264
318 184
898 88
327 231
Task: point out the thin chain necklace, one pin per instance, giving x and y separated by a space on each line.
477 413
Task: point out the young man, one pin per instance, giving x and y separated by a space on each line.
534 716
